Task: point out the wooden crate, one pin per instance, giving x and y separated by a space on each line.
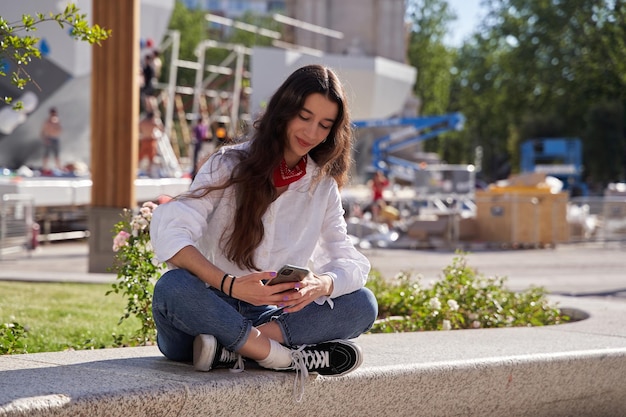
522 215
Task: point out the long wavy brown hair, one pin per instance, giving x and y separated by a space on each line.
252 175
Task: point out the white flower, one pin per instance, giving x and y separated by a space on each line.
150 205
446 325
139 223
146 213
454 306
435 304
476 324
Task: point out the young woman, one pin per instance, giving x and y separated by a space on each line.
252 208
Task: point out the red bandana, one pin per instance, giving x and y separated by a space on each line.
283 175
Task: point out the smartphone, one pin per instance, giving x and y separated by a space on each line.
289 273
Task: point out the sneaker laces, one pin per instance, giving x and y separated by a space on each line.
315 359
298 357
227 357
303 362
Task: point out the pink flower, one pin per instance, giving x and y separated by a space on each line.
120 240
149 205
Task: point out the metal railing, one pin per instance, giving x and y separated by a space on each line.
17 225
597 219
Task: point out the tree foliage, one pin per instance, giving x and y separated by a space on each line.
543 67
604 141
428 53
429 20
20 50
191 25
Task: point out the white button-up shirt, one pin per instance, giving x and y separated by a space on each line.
303 226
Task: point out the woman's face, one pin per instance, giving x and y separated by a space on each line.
310 127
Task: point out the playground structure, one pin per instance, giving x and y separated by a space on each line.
63 80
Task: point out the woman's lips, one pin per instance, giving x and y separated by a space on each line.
303 143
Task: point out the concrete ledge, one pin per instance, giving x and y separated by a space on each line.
574 369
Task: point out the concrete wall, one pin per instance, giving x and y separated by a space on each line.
376 87
370 27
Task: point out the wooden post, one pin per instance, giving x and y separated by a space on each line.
114 125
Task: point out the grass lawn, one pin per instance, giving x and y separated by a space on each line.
62 316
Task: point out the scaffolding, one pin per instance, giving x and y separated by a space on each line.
218 105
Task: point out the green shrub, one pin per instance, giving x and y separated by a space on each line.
136 268
12 338
462 299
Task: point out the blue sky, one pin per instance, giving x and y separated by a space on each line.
468 16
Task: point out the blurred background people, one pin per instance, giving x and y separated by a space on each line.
50 134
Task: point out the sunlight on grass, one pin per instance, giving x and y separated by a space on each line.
60 316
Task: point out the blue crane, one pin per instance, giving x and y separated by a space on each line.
416 129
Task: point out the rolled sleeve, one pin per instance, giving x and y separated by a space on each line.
186 221
174 226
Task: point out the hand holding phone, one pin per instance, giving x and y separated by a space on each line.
289 273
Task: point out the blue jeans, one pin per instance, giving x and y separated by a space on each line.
183 306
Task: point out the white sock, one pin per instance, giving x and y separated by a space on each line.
279 357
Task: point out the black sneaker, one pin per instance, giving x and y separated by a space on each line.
334 358
209 354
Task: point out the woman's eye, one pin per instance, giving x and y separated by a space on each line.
325 127
303 117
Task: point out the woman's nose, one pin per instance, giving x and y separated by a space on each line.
312 130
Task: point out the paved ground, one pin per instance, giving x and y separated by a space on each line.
583 270
590 269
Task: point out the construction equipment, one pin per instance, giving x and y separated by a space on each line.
440 195
556 157
412 130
